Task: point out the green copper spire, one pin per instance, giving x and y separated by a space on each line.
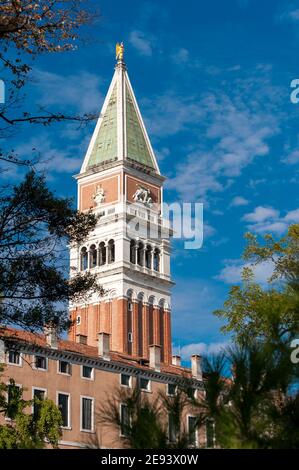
105 146
120 133
137 148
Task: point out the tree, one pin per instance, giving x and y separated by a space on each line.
35 226
26 430
251 409
144 424
270 313
29 28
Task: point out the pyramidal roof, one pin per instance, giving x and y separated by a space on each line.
120 133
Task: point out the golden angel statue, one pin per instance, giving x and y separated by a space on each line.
119 51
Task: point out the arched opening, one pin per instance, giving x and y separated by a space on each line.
157 260
102 254
83 259
148 257
111 251
133 252
140 254
92 256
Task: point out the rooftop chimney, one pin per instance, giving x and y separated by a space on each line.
82 339
51 335
155 357
104 345
176 360
196 367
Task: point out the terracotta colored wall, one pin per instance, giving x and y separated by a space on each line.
111 189
104 384
132 185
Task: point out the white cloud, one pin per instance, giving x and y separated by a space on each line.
231 136
292 158
239 201
52 157
290 14
267 219
80 91
202 349
181 56
168 114
142 42
162 153
260 214
292 216
232 271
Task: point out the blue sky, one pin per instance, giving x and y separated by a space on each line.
213 83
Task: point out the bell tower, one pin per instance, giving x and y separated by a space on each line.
121 182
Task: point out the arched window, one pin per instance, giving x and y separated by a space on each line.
111 251
148 257
133 252
83 259
92 256
140 254
157 260
102 254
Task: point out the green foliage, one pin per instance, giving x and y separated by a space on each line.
147 427
258 408
25 430
270 313
35 225
251 409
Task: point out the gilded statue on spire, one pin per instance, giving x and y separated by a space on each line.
119 51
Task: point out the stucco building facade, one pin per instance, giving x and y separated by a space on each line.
123 338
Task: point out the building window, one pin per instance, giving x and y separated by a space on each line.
144 384
14 357
64 367
130 306
93 256
172 428
78 320
157 260
192 421
148 257
130 337
102 254
171 389
63 405
210 433
124 420
132 252
86 414
38 397
125 380
111 251
87 372
83 259
41 362
140 254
